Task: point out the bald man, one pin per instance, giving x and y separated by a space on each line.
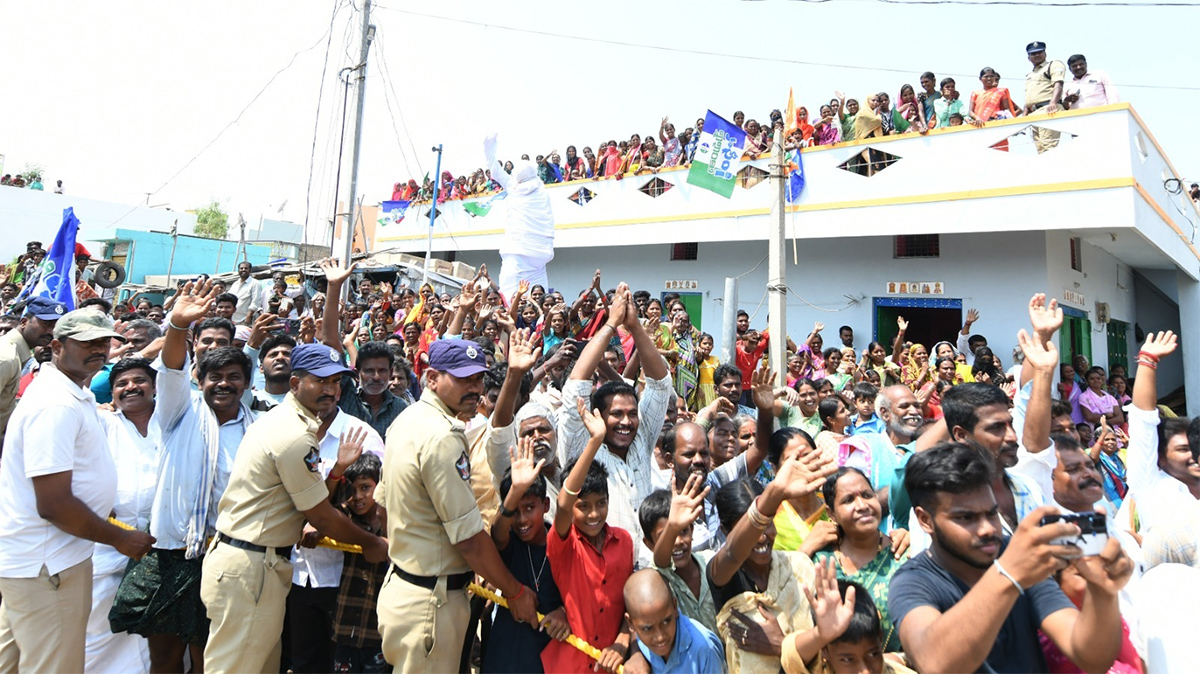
686 449
668 640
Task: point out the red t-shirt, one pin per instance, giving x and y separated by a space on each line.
592 586
747 362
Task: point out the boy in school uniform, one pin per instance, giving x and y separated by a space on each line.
667 519
519 531
590 562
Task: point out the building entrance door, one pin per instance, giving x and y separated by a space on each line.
929 320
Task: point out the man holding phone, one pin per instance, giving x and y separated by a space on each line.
977 599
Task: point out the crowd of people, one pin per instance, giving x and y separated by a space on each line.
936 103
255 477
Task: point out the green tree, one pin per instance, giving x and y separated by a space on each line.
211 221
32 172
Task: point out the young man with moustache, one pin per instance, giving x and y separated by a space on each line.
976 600
135 441
159 598
57 487
275 361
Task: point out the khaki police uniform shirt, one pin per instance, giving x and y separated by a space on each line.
14 353
426 490
275 477
1039 84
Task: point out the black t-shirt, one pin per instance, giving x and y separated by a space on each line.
515 647
922 582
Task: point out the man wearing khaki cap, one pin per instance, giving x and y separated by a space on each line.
57 486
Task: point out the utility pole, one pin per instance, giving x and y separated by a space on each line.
432 216
368 34
776 281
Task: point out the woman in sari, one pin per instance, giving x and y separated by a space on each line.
910 108
632 161
875 358
835 420
862 553
747 573
756 140
993 101
826 130
687 369
867 123
802 522
806 130
706 365
916 372
834 372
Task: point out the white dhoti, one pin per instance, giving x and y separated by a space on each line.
528 223
107 652
516 268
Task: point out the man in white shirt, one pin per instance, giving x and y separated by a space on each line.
201 430
1088 88
317 572
57 486
250 293
135 441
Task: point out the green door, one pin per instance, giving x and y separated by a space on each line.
1076 337
1118 344
694 303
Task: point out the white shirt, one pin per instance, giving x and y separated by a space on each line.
1158 495
250 297
1094 89
136 459
630 479
55 429
322 567
1164 595
179 411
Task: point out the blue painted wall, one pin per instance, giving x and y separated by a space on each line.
150 253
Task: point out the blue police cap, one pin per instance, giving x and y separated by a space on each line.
458 357
1034 47
45 308
318 360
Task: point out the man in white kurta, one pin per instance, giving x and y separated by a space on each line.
528 244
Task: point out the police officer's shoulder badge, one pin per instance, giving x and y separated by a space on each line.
312 460
464 466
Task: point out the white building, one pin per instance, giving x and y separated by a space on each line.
959 218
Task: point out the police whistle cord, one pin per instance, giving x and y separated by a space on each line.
588 649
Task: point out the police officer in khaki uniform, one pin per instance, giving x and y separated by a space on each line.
434 527
1043 92
275 485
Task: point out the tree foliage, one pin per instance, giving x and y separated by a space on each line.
32 173
211 221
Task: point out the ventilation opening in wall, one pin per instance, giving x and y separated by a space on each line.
1033 140
684 251
869 162
1140 141
1076 254
916 245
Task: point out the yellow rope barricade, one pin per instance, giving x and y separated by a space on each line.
588 649
478 590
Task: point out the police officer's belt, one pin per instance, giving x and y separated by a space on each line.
285 552
453 582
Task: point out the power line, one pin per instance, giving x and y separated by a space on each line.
701 52
316 121
392 118
399 109
231 124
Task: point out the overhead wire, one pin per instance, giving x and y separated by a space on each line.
316 125
380 67
703 52
399 108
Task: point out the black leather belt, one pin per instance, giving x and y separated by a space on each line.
455 581
1039 106
285 552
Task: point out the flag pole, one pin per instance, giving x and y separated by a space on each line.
776 261
437 179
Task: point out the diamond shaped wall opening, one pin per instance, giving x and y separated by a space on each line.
750 176
869 162
655 187
582 196
1032 140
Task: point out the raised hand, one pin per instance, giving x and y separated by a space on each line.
818 327
687 506
972 316
522 288
902 324
596 281
469 296
334 272
592 420
1159 344
350 447
1045 317
263 325
618 308
1107 572
192 303
763 387
799 477
525 470
831 613
308 330
1042 356
522 352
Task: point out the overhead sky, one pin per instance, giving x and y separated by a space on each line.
115 99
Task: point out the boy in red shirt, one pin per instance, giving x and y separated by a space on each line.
750 348
590 562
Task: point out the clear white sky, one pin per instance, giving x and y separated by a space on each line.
114 98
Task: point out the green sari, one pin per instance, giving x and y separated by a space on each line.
874 577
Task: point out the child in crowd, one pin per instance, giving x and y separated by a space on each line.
865 421
846 637
667 519
956 119
590 562
750 348
669 641
707 363
358 646
519 531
